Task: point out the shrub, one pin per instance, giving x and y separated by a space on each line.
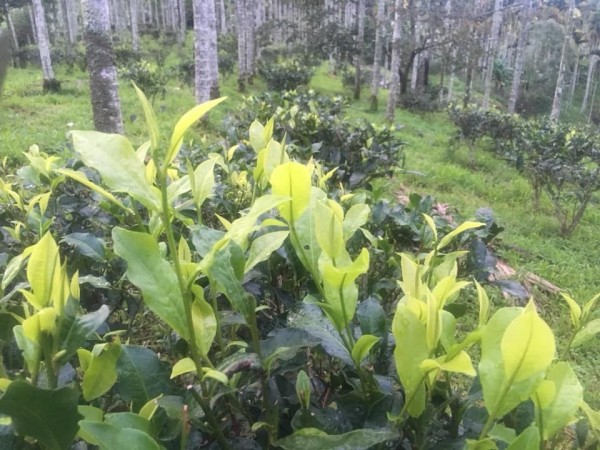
258 332
357 150
286 75
149 77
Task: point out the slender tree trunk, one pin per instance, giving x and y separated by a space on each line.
135 36
560 79
240 16
396 49
593 60
575 76
182 22
213 54
11 27
520 56
50 82
106 105
250 25
222 17
33 24
377 60
203 80
67 18
360 41
493 50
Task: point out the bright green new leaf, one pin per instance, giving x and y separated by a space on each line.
593 418
42 322
501 394
13 268
114 158
303 389
205 323
312 438
411 284
574 309
431 225
502 433
447 289
147 411
329 231
557 399
183 366
50 416
82 178
128 420
485 444
411 350
185 122
341 294
304 238
434 322
215 375
484 305
587 333
150 117
461 363
257 138
263 246
527 440
355 217
113 437
362 347
589 306
100 373
153 274
274 156
528 346
292 180
460 229
44 261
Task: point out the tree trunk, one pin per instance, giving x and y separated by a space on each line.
203 80
593 59
67 28
106 106
560 79
50 82
11 27
360 41
222 17
493 50
213 53
575 77
396 49
240 16
135 36
182 27
250 31
377 63
520 56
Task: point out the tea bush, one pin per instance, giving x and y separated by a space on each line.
559 160
285 75
258 330
152 78
352 152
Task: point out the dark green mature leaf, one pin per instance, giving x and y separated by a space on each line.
87 244
153 274
112 437
314 438
141 375
74 329
371 317
50 416
310 318
227 270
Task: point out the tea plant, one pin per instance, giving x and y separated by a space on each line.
265 331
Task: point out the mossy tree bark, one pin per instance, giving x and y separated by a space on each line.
106 105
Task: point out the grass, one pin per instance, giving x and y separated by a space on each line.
530 242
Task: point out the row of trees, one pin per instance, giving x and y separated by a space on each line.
536 45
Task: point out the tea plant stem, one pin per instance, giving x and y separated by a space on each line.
212 420
215 306
564 355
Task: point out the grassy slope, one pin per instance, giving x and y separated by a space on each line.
529 243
